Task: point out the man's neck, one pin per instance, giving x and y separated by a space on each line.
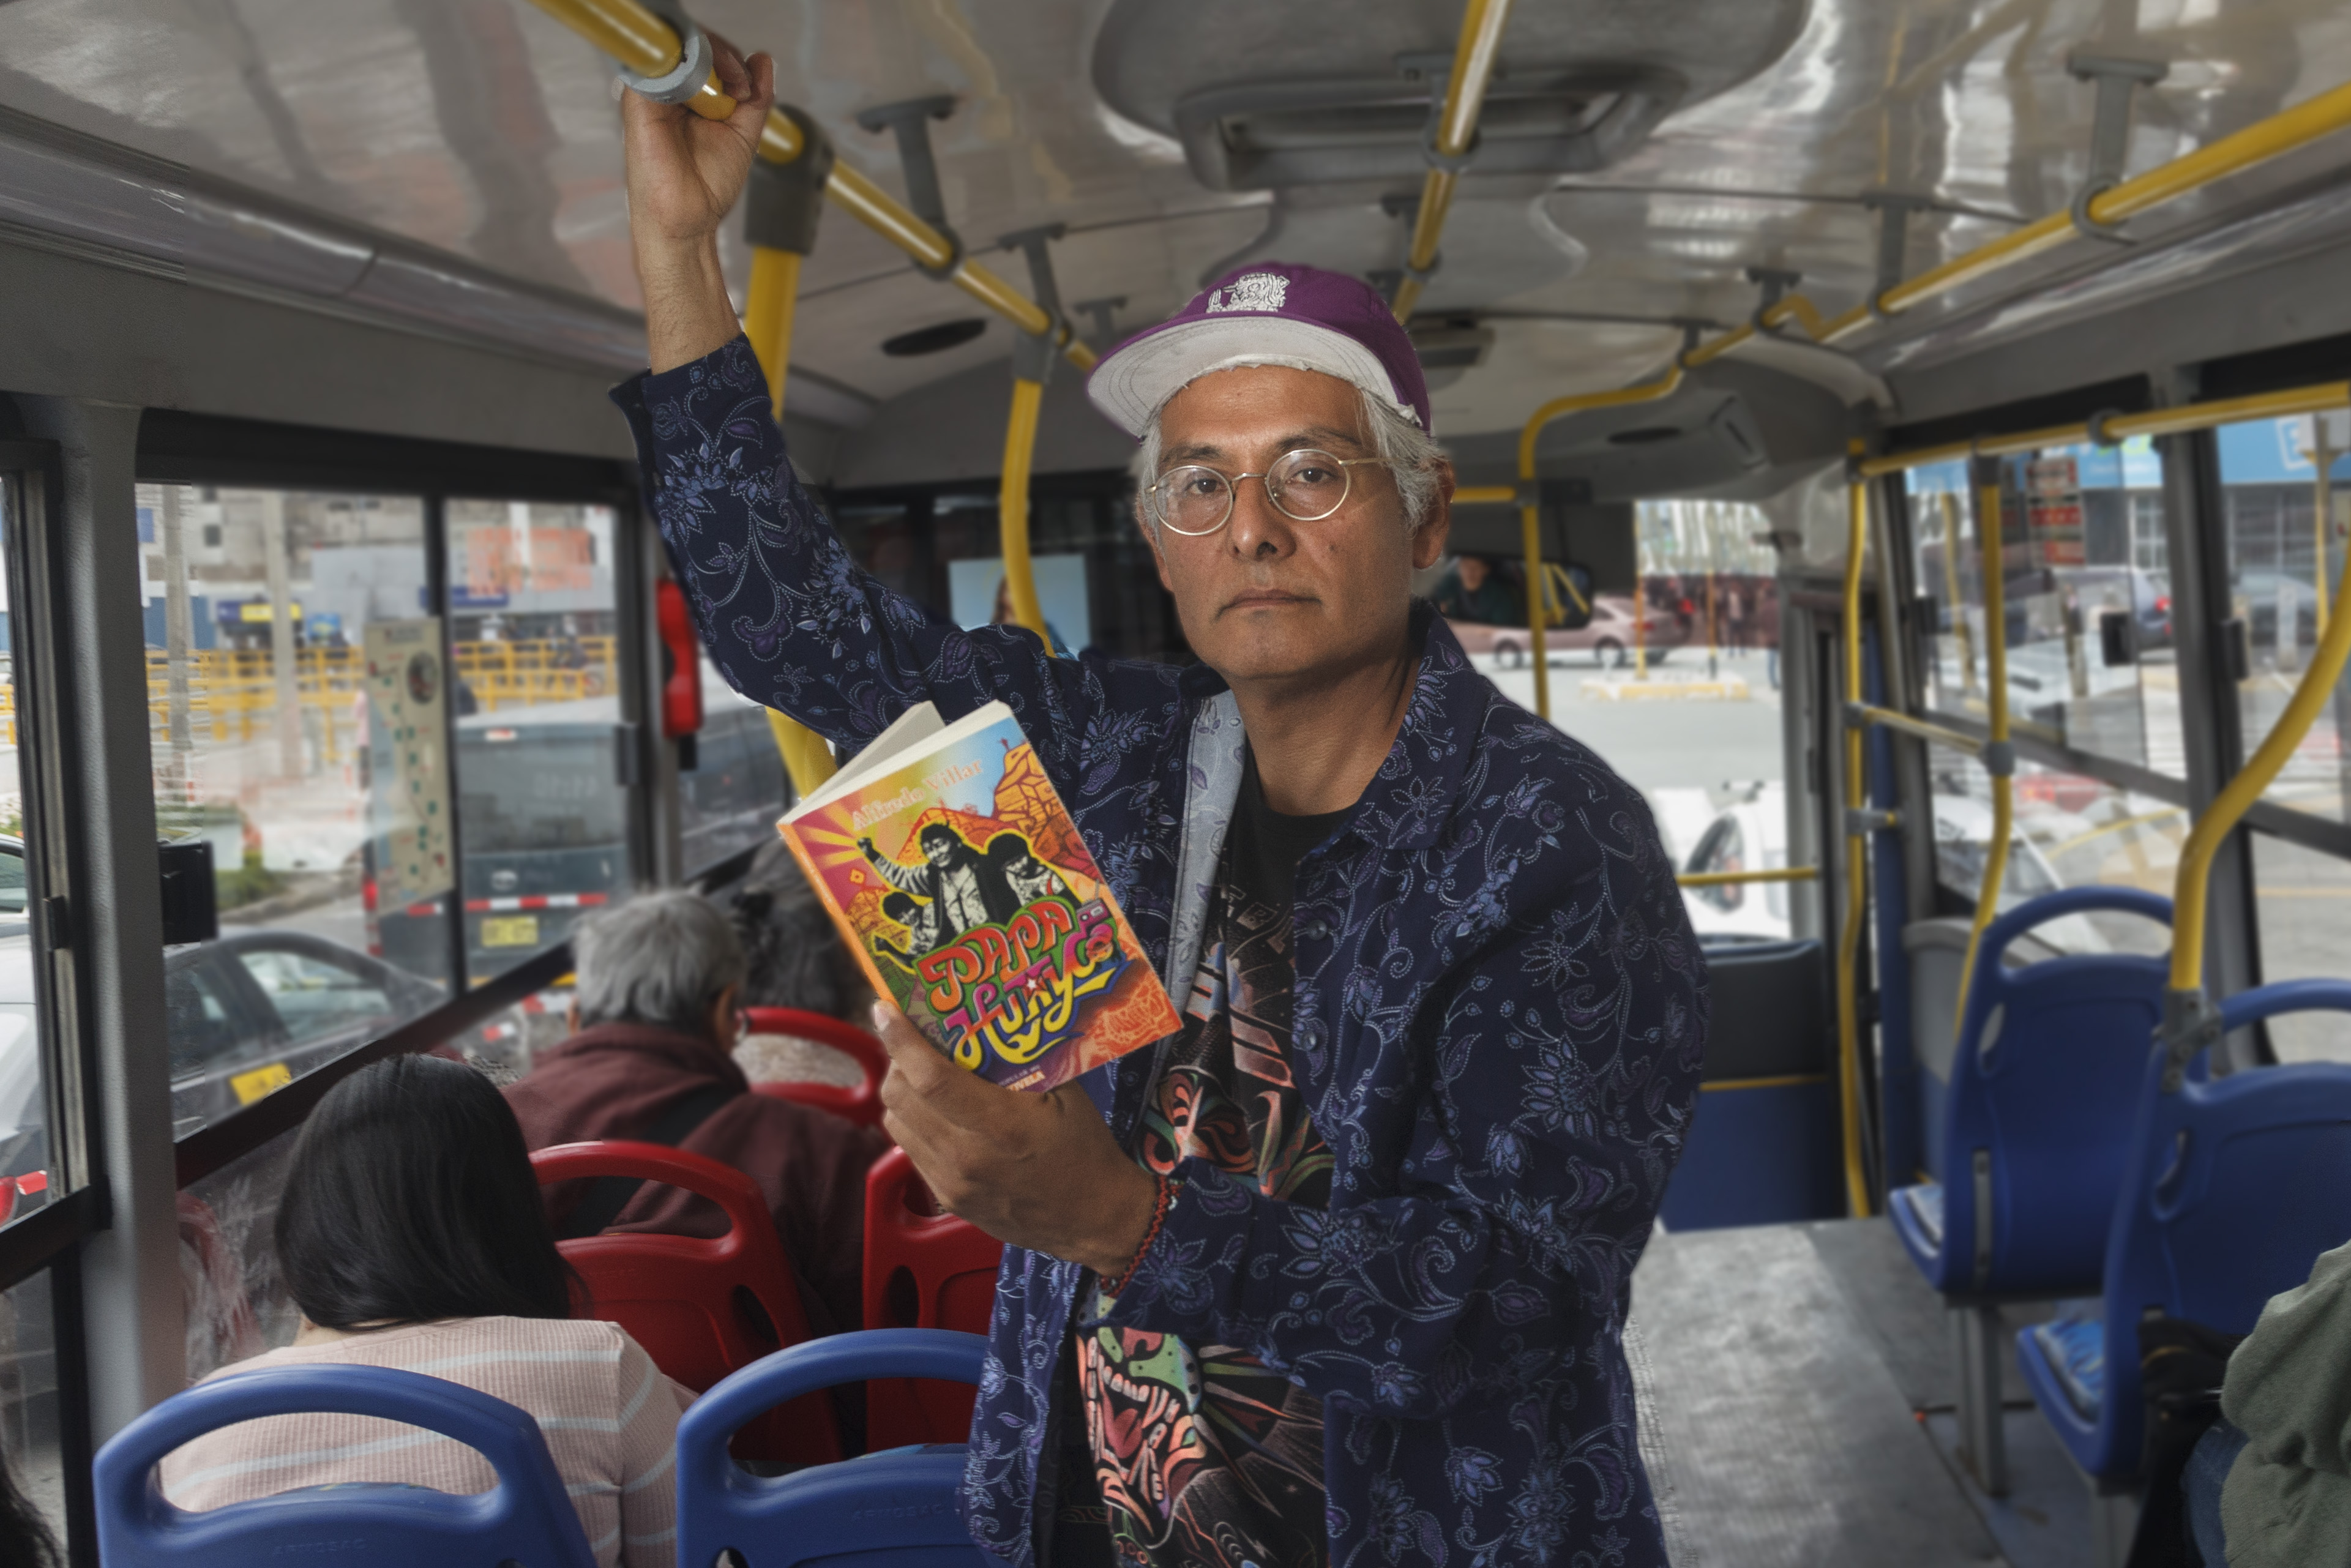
1318 745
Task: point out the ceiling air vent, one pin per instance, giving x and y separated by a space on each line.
1267 135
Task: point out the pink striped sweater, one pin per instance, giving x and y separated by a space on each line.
610 1417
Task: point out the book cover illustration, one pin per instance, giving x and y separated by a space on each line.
964 888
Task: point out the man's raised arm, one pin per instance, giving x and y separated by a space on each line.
790 621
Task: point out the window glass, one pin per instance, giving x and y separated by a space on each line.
543 816
2286 554
29 1176
2071 831
297 694
29 1444
1683 700
2305 901
729 800
2087 600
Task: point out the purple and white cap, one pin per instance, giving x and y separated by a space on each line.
1271 313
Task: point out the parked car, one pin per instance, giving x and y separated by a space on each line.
1751 834
246 1014
1607 637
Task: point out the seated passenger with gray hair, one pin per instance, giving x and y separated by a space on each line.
655 1016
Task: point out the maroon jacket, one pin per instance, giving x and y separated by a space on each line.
615 1079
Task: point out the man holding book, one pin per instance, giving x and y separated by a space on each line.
1338 1271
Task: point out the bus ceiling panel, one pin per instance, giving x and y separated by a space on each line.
953 430
1258 100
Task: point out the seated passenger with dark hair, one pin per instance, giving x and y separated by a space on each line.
410 1236
659 981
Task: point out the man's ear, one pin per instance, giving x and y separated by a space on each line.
1151 537
1429 540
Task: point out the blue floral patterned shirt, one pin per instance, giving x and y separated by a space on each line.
1499 1010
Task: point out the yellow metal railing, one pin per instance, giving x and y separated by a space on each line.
1012 508
1456 129
1728 878
648 45
1857 887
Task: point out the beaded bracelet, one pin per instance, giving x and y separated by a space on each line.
1158 1217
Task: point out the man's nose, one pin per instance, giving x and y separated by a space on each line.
1258 529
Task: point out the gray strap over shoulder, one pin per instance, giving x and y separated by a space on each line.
1212 787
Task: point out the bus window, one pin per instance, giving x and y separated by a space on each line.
2083 544
2071 831
2281 581
296 684
731 798
2305 899
543 818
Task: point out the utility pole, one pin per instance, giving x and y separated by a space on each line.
281 635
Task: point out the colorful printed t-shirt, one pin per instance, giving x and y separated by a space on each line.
1202 1455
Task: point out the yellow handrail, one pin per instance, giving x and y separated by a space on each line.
2191 889
768 316
1531 516
1485 495
2120 427
1012 506
1856 890
1991 565
1725 878
1892 719
648 45
1465 96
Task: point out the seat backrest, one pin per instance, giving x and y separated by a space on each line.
2236 1186
1768 1011
861 1103
526 1518
922 1270
702 1308
883 1510
2044 1084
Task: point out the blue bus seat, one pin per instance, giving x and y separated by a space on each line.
1764 1141
2037 1112
2201 1230
526 1518
895 1509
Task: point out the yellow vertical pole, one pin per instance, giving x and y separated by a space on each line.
1856 890
768 316
1994 563
1012 506
1530 537
2322 496
767 322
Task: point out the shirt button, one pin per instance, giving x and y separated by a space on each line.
1316 930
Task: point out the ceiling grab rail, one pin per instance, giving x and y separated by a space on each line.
1451 141
650 47
781 207
1033 365
2285 131
1732 878
2190 1021
1530 499
1997 753
1856 890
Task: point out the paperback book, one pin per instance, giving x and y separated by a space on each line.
958 880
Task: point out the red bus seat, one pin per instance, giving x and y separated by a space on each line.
922 1270
862 1104
688 1299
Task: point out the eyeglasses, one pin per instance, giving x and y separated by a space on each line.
1305 486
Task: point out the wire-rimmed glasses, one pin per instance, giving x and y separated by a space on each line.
1305 485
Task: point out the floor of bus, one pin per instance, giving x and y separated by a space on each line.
1796 1400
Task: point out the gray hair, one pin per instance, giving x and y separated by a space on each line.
1411 454
663 958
